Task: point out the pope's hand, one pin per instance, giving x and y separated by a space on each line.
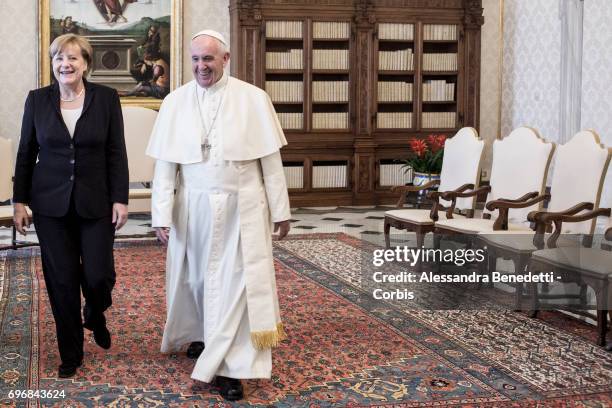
282 227
162 234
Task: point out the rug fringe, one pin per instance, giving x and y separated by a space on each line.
268 338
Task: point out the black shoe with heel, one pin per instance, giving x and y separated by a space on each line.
102 337
97 324
68 370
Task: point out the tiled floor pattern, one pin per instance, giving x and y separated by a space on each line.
365 222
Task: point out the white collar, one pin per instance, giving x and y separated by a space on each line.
216 87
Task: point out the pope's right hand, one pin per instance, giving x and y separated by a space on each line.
21 219
162 234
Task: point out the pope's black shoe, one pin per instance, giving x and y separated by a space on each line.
195 349
229 388
68 370
102 337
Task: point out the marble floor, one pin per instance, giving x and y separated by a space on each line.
365 222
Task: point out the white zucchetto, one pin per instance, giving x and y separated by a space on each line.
211 33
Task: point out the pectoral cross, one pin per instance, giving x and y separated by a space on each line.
206 147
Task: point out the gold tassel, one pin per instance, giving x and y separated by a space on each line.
269 338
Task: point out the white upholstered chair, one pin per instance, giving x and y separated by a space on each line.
460 171
580 167
6 181
518 177
585 266
6 193
138 123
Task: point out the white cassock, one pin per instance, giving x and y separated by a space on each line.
210 215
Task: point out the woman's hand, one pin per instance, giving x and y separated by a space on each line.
120 215
21 219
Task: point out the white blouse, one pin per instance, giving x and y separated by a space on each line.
70 118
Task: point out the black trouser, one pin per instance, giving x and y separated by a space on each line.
76 253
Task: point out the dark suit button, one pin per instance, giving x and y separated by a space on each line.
72 178
71 146
71 161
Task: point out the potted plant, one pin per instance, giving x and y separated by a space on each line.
426 161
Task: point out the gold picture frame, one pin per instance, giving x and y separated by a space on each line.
122 37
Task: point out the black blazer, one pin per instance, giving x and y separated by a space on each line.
91 167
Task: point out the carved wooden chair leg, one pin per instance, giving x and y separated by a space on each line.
518 297
583 295
387 238
14 238
532 290
437 239
420 242
602 327
609 345
420 239
520 266
602 314
491 266
483 270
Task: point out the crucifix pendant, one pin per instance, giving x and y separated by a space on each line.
205 149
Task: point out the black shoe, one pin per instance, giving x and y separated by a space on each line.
68 370
229 388
102 337
195 349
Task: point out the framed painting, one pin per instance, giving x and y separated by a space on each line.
136 44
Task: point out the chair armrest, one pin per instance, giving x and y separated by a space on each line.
503 206
449 195
408 189
522 198
525 201
403 190
536 216
542 225
555 217
559 219
435 196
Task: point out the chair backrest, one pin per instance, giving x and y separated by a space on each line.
580 168
520 164
138 123
461 165
6 169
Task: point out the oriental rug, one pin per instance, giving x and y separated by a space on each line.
343 348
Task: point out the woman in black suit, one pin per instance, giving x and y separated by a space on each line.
72 171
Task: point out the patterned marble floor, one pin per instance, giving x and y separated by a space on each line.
365 222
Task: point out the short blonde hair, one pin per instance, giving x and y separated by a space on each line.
72 39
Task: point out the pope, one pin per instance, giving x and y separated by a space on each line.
218 188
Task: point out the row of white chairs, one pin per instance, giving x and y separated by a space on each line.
514 225
519 173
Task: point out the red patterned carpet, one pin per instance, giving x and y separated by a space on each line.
342 350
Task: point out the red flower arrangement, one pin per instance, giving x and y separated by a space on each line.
428 154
